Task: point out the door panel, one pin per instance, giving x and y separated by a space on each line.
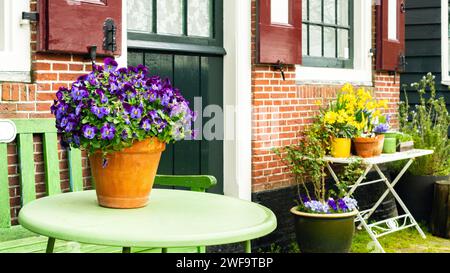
187 79
195 76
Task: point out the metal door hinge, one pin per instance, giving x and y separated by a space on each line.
31 16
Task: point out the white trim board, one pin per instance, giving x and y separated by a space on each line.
445 43
361 74
237 99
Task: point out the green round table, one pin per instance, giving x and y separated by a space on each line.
173 218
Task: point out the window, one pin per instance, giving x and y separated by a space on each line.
15 58
340 58
327 33
171 17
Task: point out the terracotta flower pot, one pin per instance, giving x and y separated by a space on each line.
127 179
369 146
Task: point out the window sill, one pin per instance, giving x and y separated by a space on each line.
333 76
16 76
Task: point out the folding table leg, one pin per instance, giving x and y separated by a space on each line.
248 246
371 234
50 245
399 200
385 194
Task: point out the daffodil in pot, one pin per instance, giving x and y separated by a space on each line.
324 217
367 115
339 120
123 119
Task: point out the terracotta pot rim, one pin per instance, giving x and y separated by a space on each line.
129 150
324 216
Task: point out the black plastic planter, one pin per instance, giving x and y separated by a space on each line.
417 194
324 233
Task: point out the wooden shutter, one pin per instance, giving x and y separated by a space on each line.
279 42
71 26
390 52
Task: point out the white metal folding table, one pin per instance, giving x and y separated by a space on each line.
391 225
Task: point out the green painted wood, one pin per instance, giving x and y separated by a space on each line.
5 210
26 162
211 152
77 217
51 163
75 170
194 182
14 233
187 155
50 245
35 126
162 65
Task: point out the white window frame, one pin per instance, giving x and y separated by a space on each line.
445 41
361 73
15 64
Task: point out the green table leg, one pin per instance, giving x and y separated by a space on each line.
126 250
50 245
201 249
248 247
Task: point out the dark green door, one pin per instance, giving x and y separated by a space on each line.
195 66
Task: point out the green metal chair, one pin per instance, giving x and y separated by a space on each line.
16 238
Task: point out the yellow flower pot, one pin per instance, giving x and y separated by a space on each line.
341 147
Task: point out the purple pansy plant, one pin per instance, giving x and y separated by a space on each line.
110 108
338 205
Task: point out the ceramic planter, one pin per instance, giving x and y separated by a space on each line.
390 146
341 147
369 146
127 179
324 233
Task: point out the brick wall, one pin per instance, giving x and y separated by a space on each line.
33 100
282 109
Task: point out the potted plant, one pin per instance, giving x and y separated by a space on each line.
367 115
428 125
324 218
339 120
382 128
123 119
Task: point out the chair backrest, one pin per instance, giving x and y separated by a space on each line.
26 128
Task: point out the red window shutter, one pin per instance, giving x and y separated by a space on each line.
279 42
71 26
390 53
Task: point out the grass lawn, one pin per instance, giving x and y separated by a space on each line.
405 241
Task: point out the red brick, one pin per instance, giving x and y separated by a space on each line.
69 76
46 76
41 66
58 66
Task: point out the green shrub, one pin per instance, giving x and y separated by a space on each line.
428 124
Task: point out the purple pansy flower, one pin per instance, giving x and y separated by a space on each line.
79 93
100 112
89 131
136 112
124 135
110 65
146 124
108 131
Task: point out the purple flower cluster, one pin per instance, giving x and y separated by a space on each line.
341 205
111 107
